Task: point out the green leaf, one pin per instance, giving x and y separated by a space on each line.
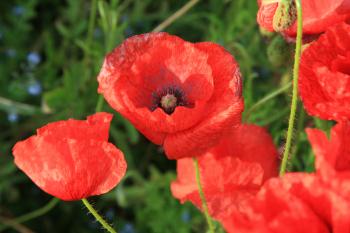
20 108
56 99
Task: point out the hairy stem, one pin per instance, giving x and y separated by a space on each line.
295 89
98 217
201 194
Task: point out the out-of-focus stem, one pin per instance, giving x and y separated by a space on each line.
201 194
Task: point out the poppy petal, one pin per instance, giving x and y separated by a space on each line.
71 168
230 175
223 110
324 82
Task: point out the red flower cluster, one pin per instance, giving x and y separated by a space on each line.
318 202
72 159
300 202
318 15
187 97
324 81
181 95
231 173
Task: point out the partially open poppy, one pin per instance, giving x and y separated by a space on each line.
72 159
318 15
231 173
324 81
181 95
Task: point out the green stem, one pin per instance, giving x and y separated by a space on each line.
89 39
176 15
25 109
201 194
92 18
295 89
34 214
99 104
98 217
266 99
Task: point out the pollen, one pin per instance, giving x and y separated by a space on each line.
168 103
169 98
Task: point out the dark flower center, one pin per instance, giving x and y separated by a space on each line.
168 99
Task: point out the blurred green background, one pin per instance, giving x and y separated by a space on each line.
50 54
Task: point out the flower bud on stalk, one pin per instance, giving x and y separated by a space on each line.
285 15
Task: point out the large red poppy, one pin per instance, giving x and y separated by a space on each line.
300 202
72 159
231 173
324 81
318 15
295 203
181 95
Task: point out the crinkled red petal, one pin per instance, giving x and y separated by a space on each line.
70 166
231 173
96 127
251 143
324 82
279 208
223 110
333 153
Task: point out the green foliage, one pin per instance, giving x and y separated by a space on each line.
158 204
71 39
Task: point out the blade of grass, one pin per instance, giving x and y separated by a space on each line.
175 16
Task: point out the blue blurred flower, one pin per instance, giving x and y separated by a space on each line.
186 216
110 214
93 224
33 58
12 117
124 18
128 228
34 88
129 31
11 52
97 33
18 10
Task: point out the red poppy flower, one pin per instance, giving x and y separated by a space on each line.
319 201
324 81
72 159
333 155
295 203
231 173
181 95
318 15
